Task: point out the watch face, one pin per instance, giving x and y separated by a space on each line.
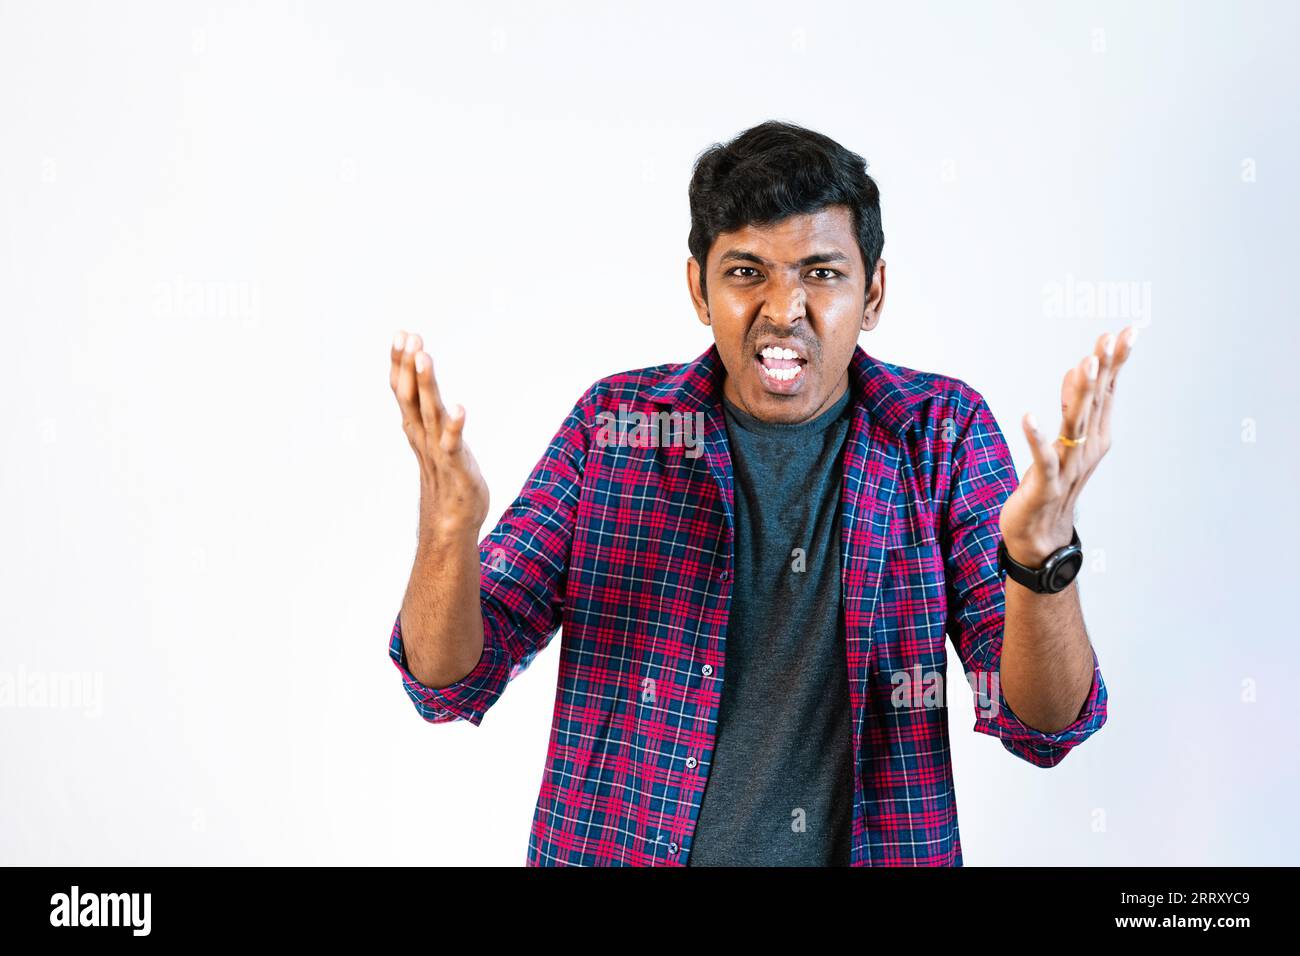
1065 570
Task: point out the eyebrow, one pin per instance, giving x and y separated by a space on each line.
744 255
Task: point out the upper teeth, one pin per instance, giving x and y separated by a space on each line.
773 352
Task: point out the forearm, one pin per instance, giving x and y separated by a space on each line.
1047 662
441 618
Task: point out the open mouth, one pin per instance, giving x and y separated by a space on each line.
781 370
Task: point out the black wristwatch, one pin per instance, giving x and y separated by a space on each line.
1056 573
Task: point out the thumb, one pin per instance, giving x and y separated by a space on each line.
1043 452
453 430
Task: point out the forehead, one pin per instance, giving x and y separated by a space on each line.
826 230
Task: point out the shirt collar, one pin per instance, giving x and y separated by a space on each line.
875 385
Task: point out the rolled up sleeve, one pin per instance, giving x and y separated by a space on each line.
466 699
1036 746
983 477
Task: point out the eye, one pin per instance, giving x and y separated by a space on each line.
750 268
833 272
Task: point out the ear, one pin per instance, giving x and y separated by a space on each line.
875 298
693 287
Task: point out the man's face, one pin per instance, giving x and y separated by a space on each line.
797 285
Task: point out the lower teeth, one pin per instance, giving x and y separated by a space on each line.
781 374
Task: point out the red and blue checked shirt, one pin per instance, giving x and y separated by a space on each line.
626 546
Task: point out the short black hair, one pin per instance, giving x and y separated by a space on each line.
775 170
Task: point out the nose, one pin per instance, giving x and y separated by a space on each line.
787 304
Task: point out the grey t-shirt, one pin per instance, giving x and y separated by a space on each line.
780 782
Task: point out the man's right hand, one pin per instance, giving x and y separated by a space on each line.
453 494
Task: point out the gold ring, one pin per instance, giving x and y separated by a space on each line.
1071 442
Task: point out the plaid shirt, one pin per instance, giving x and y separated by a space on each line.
627 545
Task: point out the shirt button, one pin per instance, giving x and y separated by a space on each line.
724 576
706 670
691 762
672 848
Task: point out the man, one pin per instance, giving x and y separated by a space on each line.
755 579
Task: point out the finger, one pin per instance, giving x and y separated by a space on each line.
395 359
1044 452
406 393
1104 349
431 410
1123 349
1076 403
453 429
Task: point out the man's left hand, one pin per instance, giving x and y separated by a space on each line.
1038 518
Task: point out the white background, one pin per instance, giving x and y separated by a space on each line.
213 218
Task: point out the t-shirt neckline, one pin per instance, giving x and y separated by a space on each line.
812 426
